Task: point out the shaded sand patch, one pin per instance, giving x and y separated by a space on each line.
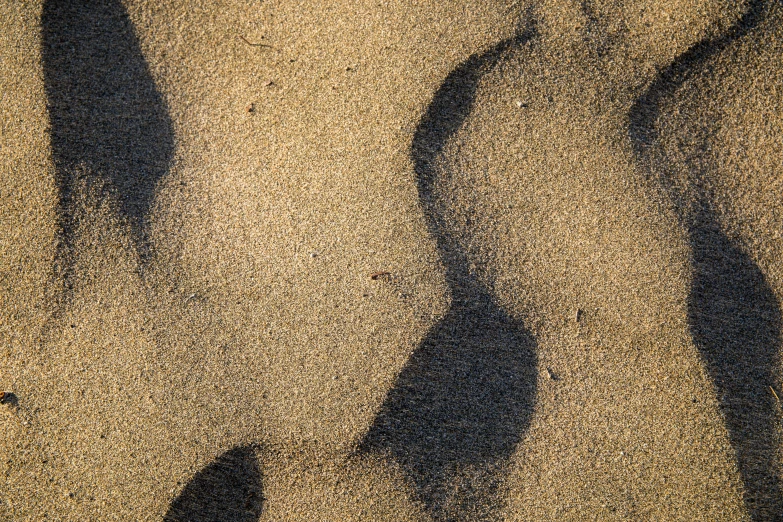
108 123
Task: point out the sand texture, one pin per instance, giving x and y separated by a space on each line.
361 260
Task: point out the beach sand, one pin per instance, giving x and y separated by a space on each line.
361 260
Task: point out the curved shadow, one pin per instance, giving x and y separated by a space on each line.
109 123
450 106
464 399
646 109
227 490
734 317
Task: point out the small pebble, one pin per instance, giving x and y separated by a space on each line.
250 108
313 255
8 397
578 315
551 374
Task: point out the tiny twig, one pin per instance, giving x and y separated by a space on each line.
253 44
376 275
774 393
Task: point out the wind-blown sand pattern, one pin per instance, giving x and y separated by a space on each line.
574 208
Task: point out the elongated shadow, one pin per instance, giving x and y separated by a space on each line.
463 401
735 321
110 127
227 490
734 317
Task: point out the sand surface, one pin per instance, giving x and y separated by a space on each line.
391 260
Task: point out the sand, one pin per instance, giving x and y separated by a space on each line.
361 260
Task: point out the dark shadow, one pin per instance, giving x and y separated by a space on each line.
735 321
459 407
463 401
227 490
109 124
734 317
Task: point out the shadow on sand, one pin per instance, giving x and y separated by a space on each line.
735 321
110 127
227 490
734 317
464 399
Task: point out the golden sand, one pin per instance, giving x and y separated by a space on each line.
572 209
